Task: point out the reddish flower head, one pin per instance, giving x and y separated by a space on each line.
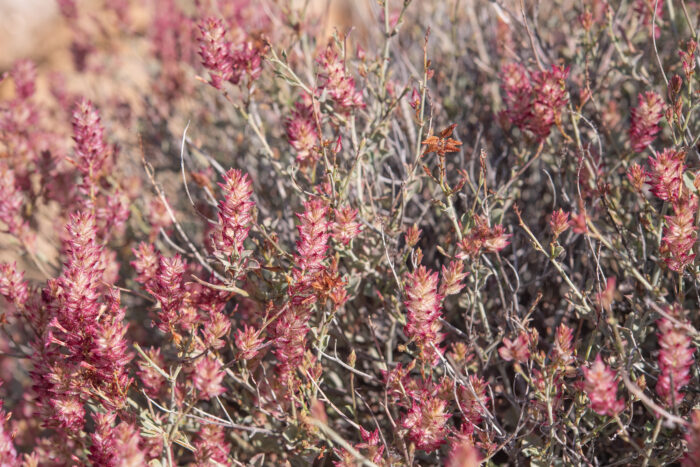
675 360
601 388
517 349
235 215
215 51
645 120
303 135
666 176
423 304
207 378
345 227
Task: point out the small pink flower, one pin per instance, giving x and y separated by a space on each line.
302 134
680 234
111 442
563 344
425 422
472 400
637 175
534 100
688 58
606 296
549 99
12 284
666 176
215 50
211 447
559 222
91 150
146 263
69 413
11 201
158 217
215 329
675 360
645 120
517 349
313 234
423 305
601 388
152 380
517 87
24 75
452 277
339 85
207 378
345 227
168 288
235 215
483 238
578 223
248 342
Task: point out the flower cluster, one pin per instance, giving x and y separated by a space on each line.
345 227
601 388
534 100
336 82
680 234
675 360
517 349
483 238
235 215
666 174
425 421
11 202
91 150
291 328
226 62
121 441
423 305
371 444
644 120
303 134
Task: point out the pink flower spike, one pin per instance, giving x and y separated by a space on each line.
235 215
645 120
345 227
207 378
601 388
423 305
215 51
559 222
303 135
248 342
675 361
666 175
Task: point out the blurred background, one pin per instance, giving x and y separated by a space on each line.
29 28
35 29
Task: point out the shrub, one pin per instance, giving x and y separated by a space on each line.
459 233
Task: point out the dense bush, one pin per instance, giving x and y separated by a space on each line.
449 233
